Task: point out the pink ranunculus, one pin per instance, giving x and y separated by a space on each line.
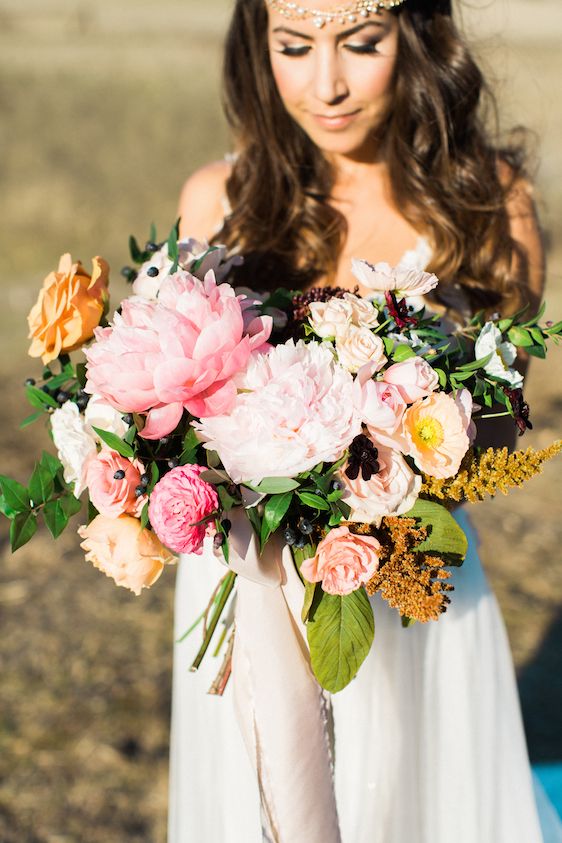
436 432
414 378
393 490
343 561
400 280
381 408
110 494
178 501
120 548
295 409
179 352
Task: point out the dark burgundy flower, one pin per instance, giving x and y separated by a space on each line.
520 409
398 310
363 457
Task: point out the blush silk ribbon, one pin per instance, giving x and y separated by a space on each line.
283 713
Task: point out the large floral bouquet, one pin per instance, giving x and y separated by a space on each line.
340 426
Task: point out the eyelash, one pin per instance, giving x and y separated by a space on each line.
363 49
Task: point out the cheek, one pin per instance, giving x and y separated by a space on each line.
289 79
377 83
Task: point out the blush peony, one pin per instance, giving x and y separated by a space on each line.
414 378
436 432
70 305
393 490
178 501
179 352
343 561
112 480
119 547
294 411
400 280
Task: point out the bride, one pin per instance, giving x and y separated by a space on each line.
359 133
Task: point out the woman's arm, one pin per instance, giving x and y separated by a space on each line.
202 201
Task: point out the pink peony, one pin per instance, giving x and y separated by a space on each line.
414 378
343 562
399 280
381 408
392 491
113 496
120 548
294 411
436 432
179 352
178 501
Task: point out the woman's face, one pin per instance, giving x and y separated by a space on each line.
335 82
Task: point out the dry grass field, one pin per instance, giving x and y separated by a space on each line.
106 108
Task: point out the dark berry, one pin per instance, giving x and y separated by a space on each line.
129 273
145 479
300 542
128 419
305 526
47 374
62 396
46 390
218 541
152 271
140 490
82 400
226 524
337 486
151 247
290 536
165 440
30 382
119 475
173 463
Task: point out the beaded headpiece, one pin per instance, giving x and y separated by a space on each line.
340 13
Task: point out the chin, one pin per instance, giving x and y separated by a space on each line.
342 143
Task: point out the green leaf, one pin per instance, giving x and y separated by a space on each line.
129 437
226 499
81 374
5 509
92 512
407 622
115 442
70 504
554 329
153 235
22 529
274 512
520 337
340 633
136 254
402 352
38 398
388 346
16 496
154 477
173 249
309 594
442 378
144 516
536 318
475 364
51 463
32 418
504 325
41 485
537 335
55 517
314 501
189 447
275 485
536 351
444 536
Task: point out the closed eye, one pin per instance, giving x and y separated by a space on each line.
363 49
295 51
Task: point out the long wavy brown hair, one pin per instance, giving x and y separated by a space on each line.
442 164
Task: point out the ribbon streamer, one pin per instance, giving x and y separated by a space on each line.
283 713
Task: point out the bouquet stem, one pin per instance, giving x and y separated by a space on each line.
221 681
223 595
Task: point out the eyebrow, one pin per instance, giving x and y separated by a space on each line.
339 37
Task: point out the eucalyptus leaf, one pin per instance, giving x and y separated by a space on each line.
22 529
340 632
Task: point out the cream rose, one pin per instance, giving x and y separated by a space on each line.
364 313
331 318
359 346
119 547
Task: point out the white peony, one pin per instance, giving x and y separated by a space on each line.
490 341
400 280
100 414
74 442
296 410
359 346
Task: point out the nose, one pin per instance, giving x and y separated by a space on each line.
330 83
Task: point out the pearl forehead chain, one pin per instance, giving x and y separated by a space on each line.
341 13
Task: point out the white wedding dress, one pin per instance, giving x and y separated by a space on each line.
429 741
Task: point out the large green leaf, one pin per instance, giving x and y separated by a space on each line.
275 485
340 633
273 513
115 442
314 501
15 495
444 536
41 485
55 517
39 399
22 529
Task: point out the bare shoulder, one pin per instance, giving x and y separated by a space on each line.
529 260
201 204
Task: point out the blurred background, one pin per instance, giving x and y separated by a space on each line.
106 109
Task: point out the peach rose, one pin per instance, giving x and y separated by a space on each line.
69 308
111 480
393 490
119 547
436 432
343 562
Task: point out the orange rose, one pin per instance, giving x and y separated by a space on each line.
119 547
69 308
